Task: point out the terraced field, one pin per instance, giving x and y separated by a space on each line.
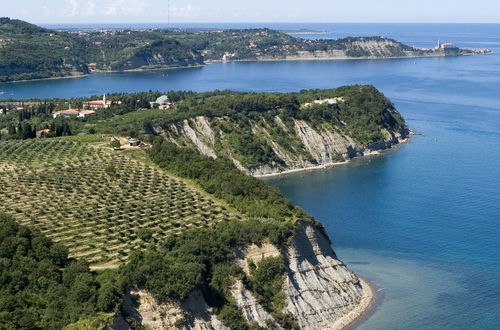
99 203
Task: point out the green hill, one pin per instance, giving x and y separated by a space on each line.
31 52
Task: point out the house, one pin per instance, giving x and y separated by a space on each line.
72 113
163 102
100 104
40 133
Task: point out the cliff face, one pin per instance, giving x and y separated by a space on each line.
320 291
140 307
293 146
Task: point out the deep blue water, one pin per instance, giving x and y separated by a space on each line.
422 222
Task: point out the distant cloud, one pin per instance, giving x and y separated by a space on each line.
85 8
124 8
186 11
72 7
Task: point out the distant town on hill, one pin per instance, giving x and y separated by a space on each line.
29 52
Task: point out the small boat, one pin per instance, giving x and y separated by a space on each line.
2 92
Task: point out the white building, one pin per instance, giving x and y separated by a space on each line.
163 102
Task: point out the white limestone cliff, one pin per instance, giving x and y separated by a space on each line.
319 146
321 292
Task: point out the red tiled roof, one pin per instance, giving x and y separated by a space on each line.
74 112
99 102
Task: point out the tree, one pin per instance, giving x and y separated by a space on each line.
115 144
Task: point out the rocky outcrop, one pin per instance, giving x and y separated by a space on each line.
200 131
321 292
249 306
193 313
246 302
320 288
325 146
300 145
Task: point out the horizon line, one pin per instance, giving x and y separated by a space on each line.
270 22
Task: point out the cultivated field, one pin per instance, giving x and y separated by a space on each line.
99 203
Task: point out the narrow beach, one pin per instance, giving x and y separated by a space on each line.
366 303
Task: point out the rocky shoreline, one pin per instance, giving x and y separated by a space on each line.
334 164
365 305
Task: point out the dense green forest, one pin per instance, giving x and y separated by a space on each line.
41 288
31 52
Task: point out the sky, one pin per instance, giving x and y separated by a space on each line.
203 11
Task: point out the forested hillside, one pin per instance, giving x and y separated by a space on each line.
41 288
31 52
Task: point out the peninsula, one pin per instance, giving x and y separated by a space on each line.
30 52
155 193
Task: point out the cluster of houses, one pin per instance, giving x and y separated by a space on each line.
90 106
163 102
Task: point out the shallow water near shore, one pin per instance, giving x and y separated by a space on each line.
422 222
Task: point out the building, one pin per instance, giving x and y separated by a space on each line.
100 104
40 133
163 102
72 113
445 45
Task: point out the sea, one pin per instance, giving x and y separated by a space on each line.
420 222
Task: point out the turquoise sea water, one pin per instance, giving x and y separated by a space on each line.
422 223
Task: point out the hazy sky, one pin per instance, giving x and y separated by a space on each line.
187 11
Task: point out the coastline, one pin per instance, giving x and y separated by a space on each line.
208 62
331 165
365 305
98 72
